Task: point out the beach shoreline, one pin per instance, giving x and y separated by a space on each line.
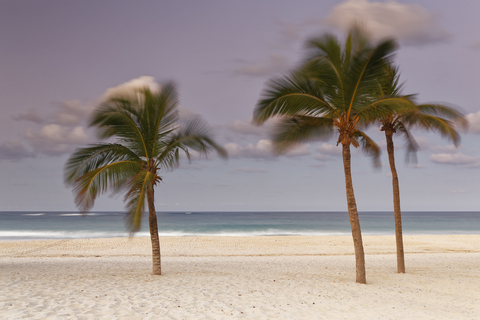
280 277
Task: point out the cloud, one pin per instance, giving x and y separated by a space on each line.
139 83
14 150
290 33
475 45
192 166
329 149
247 170
318 165
454 159
474 122
274 63
221 185
66 130
416 166
54 139
72 113
247 128
327 152
64 133
299 150
422 142
444 149
411 24
458 191
262 150
31 115
68 113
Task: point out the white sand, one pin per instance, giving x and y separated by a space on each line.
240 277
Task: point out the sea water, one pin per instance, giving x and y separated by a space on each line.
71 225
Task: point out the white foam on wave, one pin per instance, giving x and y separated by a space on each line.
77 214
33 214
256 233
51 234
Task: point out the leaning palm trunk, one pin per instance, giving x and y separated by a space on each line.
353 215
396 204
152 221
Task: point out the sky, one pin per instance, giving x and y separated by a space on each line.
60 59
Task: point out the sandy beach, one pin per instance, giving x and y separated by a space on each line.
240 277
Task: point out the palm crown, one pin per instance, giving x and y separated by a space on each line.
430 117
148 139
333 89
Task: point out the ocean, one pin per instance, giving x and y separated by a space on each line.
73 225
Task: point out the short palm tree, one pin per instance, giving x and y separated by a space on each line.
430 117
335 89
149 139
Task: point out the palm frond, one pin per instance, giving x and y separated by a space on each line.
158 115
324 64
135 198
119 117
369 147
366 68
384 107
113 176
193 133
294 130
167 114
446 112
410 143
87 159
291 95
445 127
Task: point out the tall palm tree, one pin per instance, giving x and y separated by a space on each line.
335 89
148 139
430 117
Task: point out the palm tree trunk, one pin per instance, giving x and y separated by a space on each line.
396 204
353 214
152 221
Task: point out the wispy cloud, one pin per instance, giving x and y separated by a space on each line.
411 24
474 122
247 170
247 128
329 149
14 150
31 115
475 45
458 159
54 139
263 149
192 166
223 185
72 113
138 83
65 129
273 64
327 152
444 149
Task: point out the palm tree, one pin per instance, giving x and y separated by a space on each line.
149 138
430 117
334 90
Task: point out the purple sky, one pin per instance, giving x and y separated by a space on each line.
58 59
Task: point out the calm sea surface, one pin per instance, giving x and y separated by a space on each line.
70 225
